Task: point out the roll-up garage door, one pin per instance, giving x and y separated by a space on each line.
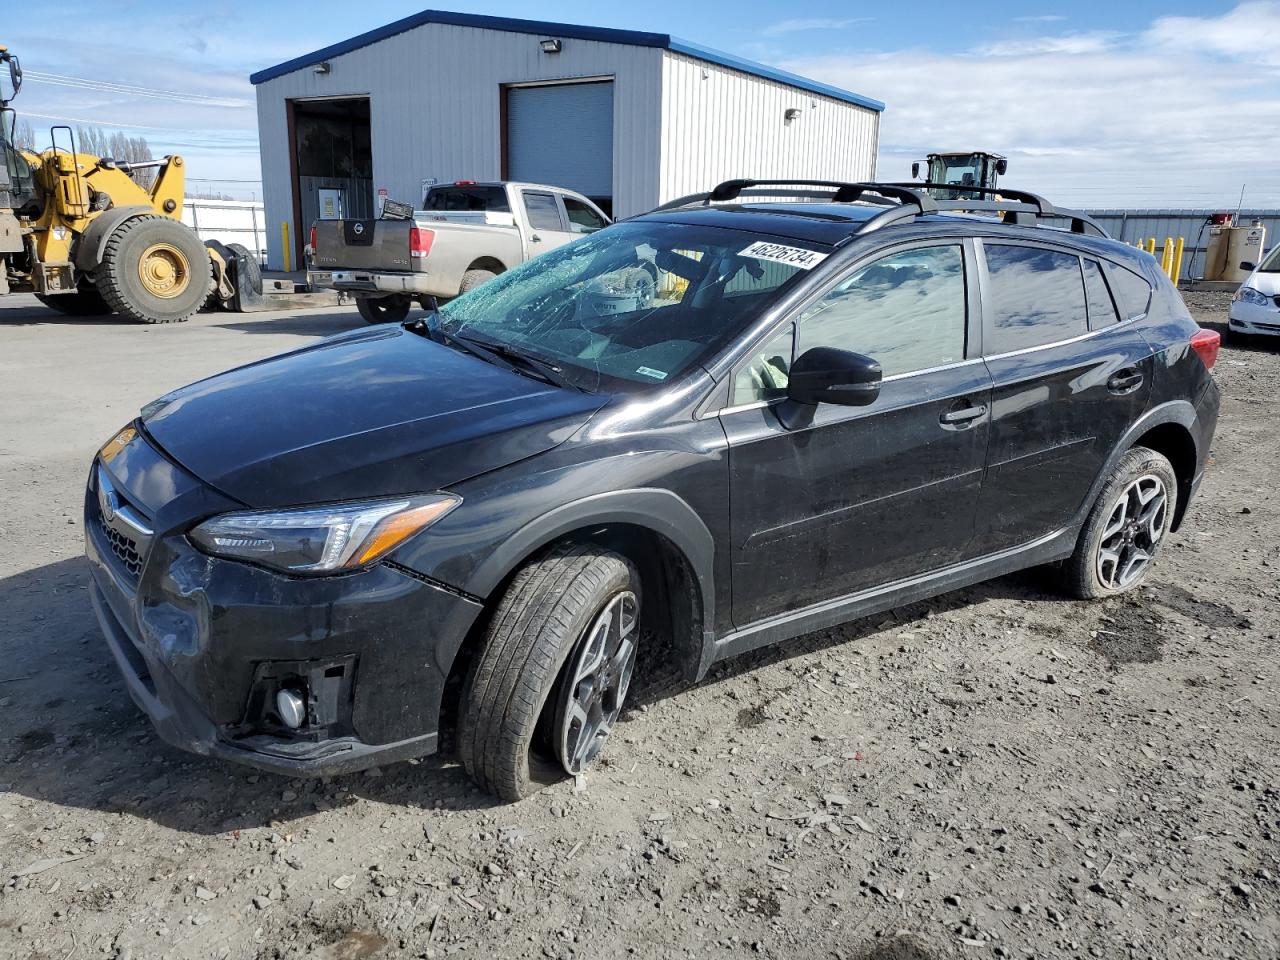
562 135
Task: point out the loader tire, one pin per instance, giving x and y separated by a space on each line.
85 302
154 270
253 269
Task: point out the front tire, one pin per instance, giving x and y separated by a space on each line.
1126 528
85 302
549 683
383 309
154 270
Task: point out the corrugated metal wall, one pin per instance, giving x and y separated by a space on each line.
1133 225
435 110
718 124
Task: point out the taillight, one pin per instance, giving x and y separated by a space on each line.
420 240
1206 343
311 241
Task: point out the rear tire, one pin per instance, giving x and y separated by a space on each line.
85 302
253 268
383 309
523 724
474 278
154 270
1126 529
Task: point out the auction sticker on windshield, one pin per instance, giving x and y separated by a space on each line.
780 253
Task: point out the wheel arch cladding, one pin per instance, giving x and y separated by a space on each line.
657 531
1174 442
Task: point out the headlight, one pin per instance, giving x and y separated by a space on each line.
324 539
1250 295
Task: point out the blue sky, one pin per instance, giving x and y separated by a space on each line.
1097 104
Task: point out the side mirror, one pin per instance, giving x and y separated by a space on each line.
1246 265
915 170
1002 166
828 375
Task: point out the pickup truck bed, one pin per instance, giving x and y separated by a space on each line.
442 251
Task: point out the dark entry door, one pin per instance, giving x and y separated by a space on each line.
861 496
1068 379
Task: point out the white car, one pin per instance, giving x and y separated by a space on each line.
1255 309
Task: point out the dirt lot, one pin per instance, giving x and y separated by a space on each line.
998 772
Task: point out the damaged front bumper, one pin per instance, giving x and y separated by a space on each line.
205 644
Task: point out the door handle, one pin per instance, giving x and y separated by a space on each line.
962 415
1126 381
534 238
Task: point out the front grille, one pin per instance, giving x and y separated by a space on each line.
124 547
1273 327
125 529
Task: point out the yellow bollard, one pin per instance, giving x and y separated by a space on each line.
1151 246
284 237
1177 259
1166 257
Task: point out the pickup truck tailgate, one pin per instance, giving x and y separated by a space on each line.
363 244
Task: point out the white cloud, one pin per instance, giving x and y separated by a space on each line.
1138 121
1072 43
1249 32
816 23
1043 18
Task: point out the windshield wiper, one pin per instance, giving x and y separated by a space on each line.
542 369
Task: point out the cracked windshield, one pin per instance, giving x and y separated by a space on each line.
636 304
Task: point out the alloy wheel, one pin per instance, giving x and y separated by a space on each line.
596 683
1134 528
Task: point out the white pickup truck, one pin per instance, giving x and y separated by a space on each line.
466 233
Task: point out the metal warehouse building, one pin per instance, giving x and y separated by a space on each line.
629 119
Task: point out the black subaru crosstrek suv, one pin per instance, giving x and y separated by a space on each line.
744 416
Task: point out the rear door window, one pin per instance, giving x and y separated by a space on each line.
1034 297
1102 310
582 219
1132 292
543 211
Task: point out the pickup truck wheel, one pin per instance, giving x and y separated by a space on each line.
474 278
154 270
383 309
545 690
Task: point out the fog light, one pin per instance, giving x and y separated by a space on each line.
292 709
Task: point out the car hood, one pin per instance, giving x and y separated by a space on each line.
1268 283
376 413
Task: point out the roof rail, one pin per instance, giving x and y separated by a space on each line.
905 201
1014 204
883 194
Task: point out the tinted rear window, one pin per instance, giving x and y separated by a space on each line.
1102 311
1035 297
1132 292
543 211
475 198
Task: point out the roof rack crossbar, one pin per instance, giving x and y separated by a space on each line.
905 201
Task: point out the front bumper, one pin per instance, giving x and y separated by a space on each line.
366 281
1254 318
204 643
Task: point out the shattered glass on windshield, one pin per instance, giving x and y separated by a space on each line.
637 303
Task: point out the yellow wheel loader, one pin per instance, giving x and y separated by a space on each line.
82 235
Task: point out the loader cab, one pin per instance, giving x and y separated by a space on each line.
17 182
959 169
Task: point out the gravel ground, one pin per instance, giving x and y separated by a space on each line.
995 773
